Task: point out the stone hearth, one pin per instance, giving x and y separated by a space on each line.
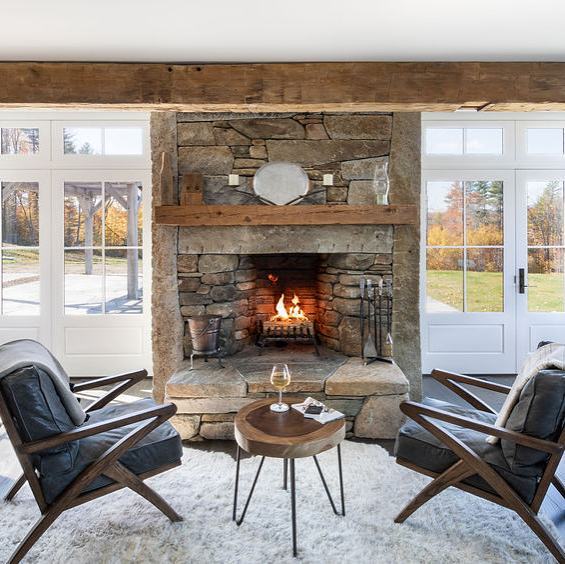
208 397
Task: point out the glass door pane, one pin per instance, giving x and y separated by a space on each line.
465 246
102 247
20 248
545 246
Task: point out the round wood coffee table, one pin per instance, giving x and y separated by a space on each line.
289 435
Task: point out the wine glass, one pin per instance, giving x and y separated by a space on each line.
280 379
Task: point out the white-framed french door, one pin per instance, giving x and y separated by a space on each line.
528 151
468 257
25 262
93 316
100 322
540 235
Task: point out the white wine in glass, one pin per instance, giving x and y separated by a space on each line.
280 379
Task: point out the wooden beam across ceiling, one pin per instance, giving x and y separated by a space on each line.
284 87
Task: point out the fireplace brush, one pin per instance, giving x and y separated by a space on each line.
362 314
373 346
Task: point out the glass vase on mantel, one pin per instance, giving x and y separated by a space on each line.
381 182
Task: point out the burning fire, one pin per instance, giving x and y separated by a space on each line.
293 314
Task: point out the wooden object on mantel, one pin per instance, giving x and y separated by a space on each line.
190 193
342 214
166 180
260 431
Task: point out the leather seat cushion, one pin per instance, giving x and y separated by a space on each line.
416 445
160 447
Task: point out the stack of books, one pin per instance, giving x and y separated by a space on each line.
314 409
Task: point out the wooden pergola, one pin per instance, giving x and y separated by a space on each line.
90 201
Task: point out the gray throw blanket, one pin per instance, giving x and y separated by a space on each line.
26 352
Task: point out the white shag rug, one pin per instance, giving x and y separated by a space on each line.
454 527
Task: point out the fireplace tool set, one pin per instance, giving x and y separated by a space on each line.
375 312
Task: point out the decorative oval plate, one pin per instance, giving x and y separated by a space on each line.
281 182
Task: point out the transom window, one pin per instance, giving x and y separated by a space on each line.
89 140
545 141
19 140
464 140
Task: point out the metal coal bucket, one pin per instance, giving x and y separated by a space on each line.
204 333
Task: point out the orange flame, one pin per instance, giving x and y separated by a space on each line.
294 313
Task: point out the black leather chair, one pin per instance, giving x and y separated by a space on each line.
118 445
448 443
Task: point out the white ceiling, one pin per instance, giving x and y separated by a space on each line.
282 30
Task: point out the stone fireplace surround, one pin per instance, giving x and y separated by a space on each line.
212 269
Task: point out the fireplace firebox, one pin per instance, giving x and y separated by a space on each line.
286 299
281 297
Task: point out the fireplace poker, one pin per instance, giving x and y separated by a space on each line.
380 316
369 349
362 314
379 353
376 322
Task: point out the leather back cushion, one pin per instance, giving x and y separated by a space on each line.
38 413
538 413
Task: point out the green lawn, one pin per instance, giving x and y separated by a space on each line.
484 290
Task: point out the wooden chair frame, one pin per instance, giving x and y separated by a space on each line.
470 463
106 465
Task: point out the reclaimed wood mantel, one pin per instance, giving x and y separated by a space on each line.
224 215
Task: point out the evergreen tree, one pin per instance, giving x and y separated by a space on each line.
69 147
86 149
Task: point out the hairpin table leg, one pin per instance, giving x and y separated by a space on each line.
341 480
239 521
237 461
293 506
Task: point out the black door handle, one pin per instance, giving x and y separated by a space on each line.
522 281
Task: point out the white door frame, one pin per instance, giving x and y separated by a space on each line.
87 344
473 342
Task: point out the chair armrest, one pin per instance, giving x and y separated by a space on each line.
133 377
442 375
453 381
410 408
124 382
167 409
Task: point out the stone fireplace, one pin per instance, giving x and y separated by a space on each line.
240 272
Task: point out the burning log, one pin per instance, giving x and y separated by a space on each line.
288 330
293 315
290 324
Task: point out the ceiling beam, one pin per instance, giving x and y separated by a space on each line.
286 86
